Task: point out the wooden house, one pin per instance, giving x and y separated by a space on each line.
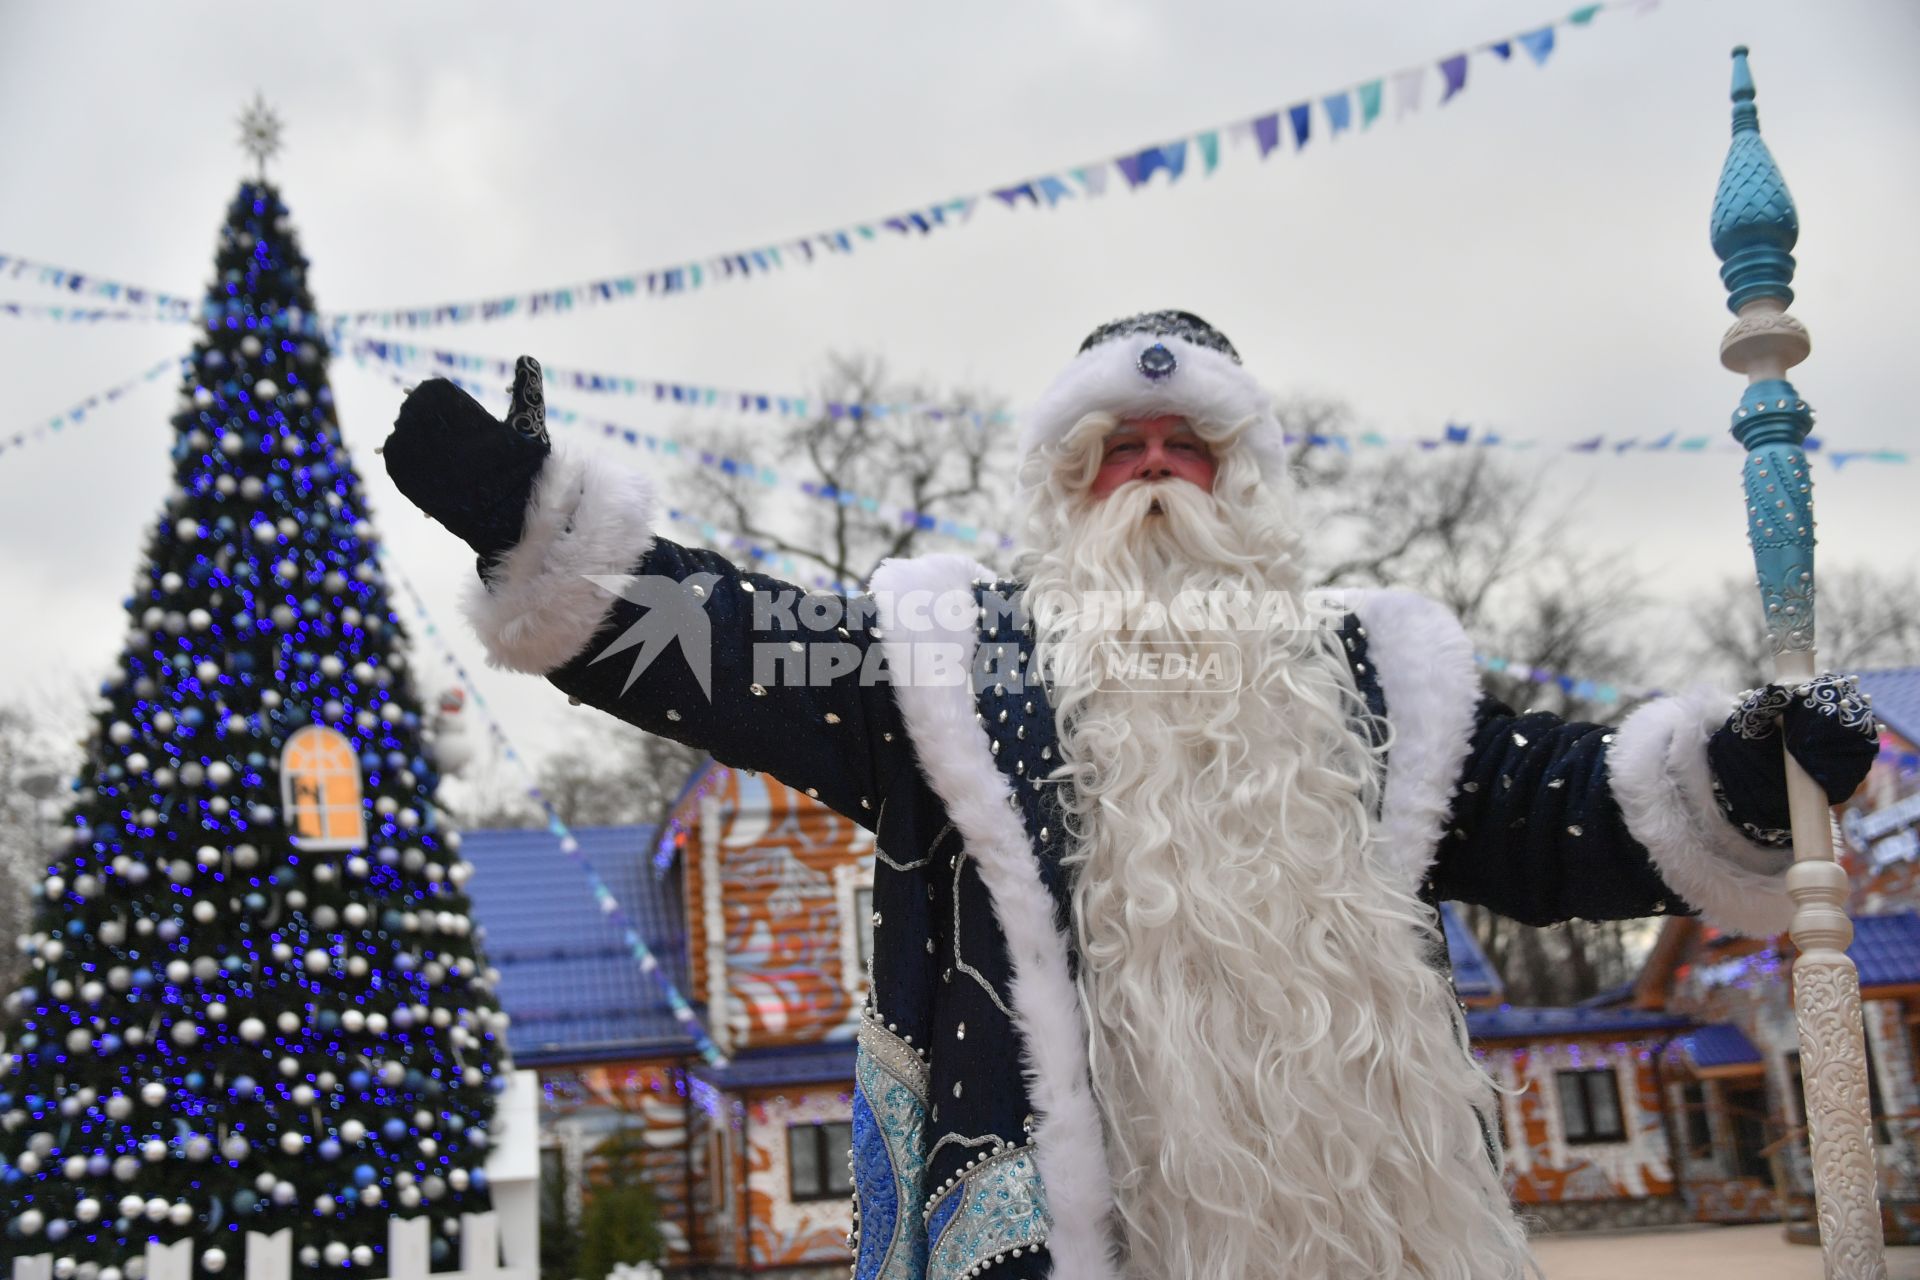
755 900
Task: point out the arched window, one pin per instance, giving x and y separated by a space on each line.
320 790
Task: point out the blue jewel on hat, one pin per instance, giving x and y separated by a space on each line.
1157 362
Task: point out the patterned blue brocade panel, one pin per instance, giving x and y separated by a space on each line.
889 1156
997 1209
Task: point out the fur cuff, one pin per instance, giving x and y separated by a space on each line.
536 609
1657 767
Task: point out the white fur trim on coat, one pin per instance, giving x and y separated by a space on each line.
1206 387
1424 662
1658 769
1069 1147
537 609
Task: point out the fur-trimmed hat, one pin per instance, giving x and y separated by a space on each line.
1159 362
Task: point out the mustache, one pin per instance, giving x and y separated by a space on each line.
1129 506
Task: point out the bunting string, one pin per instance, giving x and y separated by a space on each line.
83 315
603 894
89 285
78 413
768 477
686 394
693 396
1353 109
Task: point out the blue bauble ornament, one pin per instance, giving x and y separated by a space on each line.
244 1201
441 1250
358 1081
196 1081
394 1129
256 901
327 1020
479 1177
329 1148
142 978
363 1175
243 1086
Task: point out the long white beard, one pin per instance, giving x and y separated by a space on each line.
1281 1069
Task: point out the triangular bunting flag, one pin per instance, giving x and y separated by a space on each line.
1455 71
1209 144
1339 109
1406 89
1053 191
1301 117
1369 102
1538 44
1266 131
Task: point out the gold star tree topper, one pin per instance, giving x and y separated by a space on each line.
260 133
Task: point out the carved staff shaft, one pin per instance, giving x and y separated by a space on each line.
1754 231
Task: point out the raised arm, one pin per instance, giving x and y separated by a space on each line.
575 586
1675 811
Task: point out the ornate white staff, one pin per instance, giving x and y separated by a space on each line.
1754 230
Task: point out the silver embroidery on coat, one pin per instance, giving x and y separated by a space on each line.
995 1207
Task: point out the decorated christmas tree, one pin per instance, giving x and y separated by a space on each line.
255 999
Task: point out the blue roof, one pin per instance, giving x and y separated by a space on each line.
1543 1024
1720 1045
1887 948
1611 996
1896 699
801 1064
1473 974
568 980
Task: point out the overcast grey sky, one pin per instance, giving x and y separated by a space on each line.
1530 257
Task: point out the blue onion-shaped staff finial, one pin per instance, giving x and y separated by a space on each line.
1754 227
1754 223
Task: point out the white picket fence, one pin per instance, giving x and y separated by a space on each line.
501 1245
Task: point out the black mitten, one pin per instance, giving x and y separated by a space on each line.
466 468
1829 729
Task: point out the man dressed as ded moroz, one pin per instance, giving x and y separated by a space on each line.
1157 990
